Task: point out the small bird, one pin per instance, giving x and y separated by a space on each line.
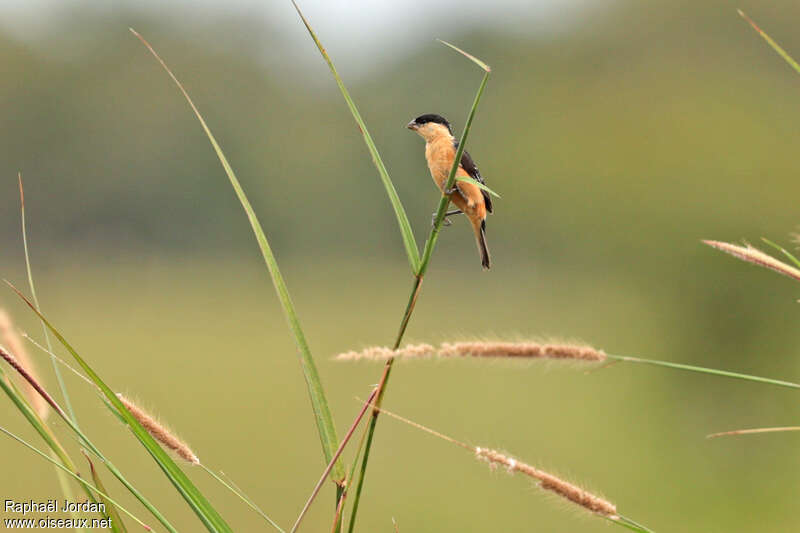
440 151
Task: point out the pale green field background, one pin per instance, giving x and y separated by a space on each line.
617 146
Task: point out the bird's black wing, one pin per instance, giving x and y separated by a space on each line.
469 166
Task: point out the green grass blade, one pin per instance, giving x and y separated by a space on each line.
199 504
420 274
478 184
59 378
362 473
90 445
77 478
352 473
784 251
704 370
775 46
471 57
111 510
327 470
409 241
625 522
322 413
41 428
63 480
49 437
231 487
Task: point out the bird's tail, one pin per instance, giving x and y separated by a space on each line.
480 237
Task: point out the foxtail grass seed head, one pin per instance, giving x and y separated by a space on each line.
159 432
381 353
13 343
523 350
520 350
757 257
551 483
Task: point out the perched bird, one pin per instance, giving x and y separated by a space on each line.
440 151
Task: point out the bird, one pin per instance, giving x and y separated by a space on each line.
471 200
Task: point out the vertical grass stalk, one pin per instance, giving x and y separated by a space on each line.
63 480
59 378
427 253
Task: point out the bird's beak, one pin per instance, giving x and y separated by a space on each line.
412 125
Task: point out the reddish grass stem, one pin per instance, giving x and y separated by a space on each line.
11 360
335 458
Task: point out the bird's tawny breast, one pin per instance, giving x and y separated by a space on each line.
440 154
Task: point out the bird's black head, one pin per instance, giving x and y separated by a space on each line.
430 117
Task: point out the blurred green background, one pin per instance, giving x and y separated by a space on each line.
619 134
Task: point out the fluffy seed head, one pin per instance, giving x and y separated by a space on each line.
532 350
13 343
520 350
757 257
551 483
159 432
380 353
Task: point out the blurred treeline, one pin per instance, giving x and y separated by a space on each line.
642 125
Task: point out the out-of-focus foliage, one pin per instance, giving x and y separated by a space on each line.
616 147
646 120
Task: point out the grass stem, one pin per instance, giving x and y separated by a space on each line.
420 274
704 370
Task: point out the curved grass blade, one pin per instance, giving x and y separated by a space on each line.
78 478
478 184
116 520
322 413
409 241
62 479
471 57
198 503
775 46
56 449
82 437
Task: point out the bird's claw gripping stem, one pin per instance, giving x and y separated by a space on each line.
446 221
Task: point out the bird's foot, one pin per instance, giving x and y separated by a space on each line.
445 222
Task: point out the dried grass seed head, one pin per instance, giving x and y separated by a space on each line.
159 432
